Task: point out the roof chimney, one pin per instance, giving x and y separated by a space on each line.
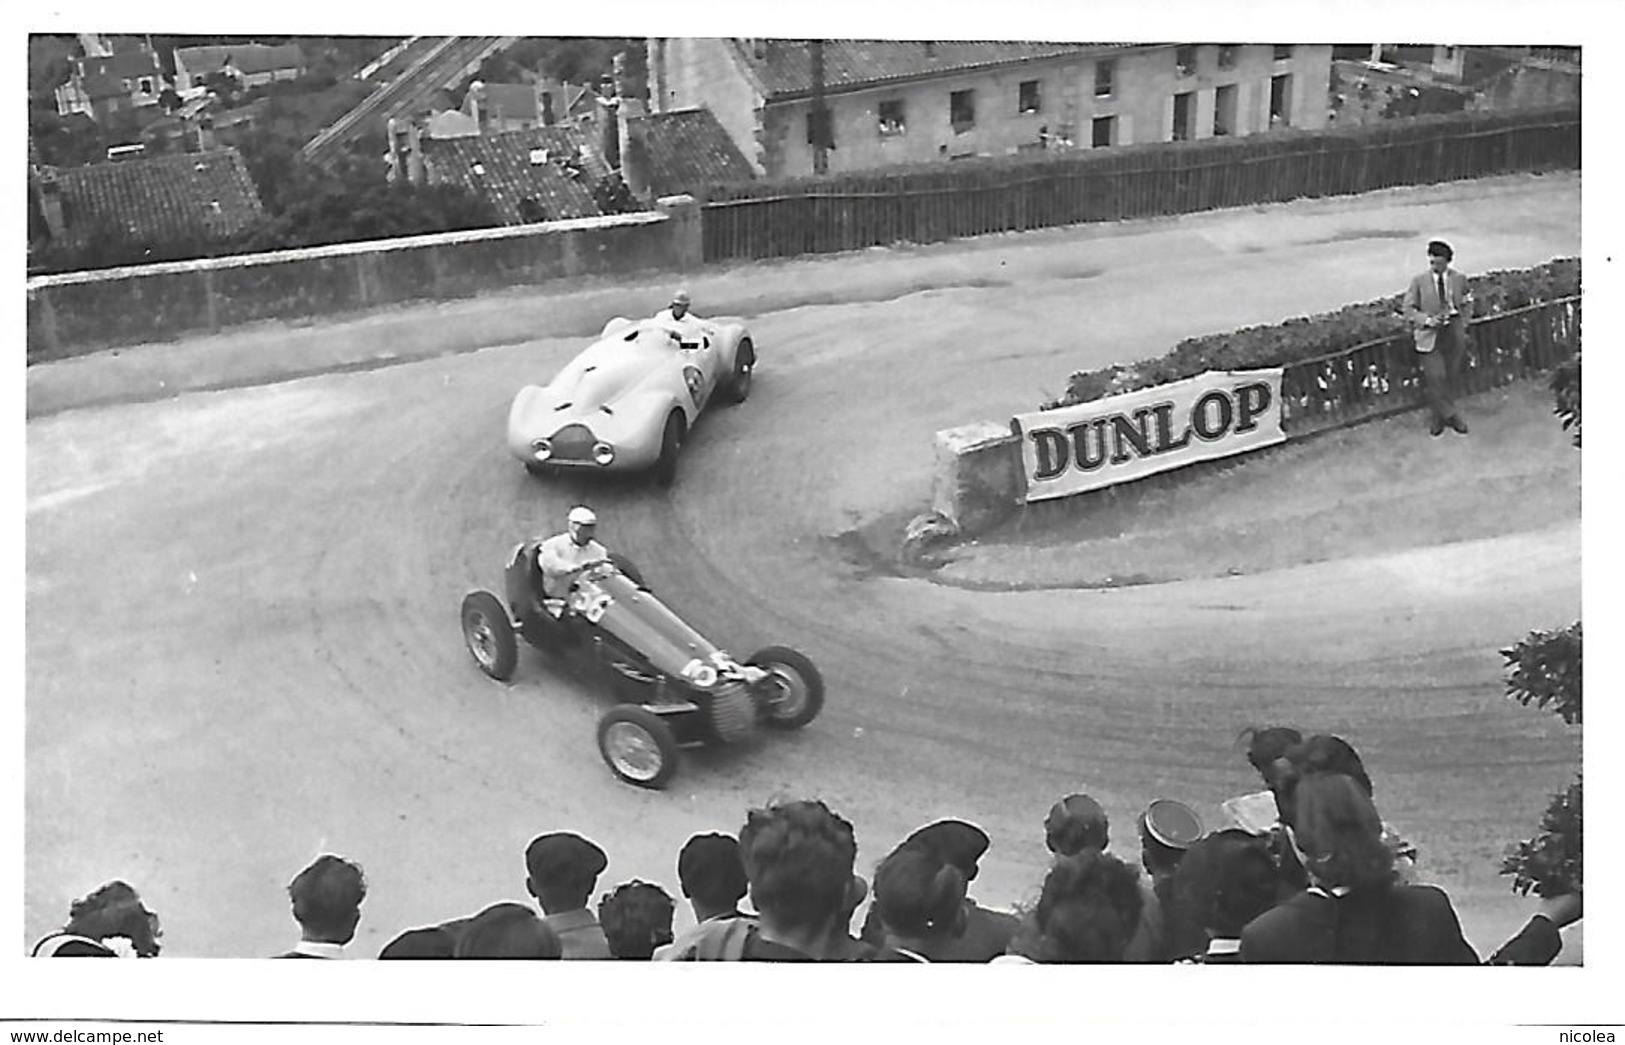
630 143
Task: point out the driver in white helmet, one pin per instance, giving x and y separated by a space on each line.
564 556
677 318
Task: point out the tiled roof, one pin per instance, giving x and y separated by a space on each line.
688 149
248 58
508 168
126 64
167 197
99 86
784 67
509 101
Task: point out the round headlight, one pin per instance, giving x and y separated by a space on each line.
542 449
603 453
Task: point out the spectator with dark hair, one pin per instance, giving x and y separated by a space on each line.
799 858
987 933
113 912
1324 753
712 876
1075 823
507 931
1225 881
562 869
1087 912
1266 746
430 942
636 919
920 904
1167 828
1352 912
326 898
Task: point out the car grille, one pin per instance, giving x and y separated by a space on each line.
573 443
733 713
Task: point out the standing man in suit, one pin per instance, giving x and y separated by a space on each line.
326 899
1438 306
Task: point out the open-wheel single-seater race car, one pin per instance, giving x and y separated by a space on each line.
673 687
629 400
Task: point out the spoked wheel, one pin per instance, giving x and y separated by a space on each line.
637 746
489 635
671 443
798 690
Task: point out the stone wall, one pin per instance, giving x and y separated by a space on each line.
80 312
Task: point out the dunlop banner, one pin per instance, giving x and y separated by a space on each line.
1123 437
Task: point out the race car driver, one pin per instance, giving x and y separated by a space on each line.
679 319
564 556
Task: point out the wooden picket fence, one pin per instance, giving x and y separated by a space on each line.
925 204
1370 381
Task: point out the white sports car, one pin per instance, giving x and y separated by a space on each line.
629 399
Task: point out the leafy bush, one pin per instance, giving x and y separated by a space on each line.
1309 336
1545 670
1552 862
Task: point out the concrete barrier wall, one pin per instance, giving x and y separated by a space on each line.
978 479
80 312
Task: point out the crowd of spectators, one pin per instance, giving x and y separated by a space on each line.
1302 871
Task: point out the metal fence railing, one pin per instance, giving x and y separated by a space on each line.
1384 377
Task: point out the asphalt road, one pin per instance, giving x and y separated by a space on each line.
278 669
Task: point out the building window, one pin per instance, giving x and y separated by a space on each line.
1103 131
1280 100
1184 108
1028 100
1185 59
146 85
1283 52
1227 56
820 129
1104 73
962 111
891 118
1224 110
